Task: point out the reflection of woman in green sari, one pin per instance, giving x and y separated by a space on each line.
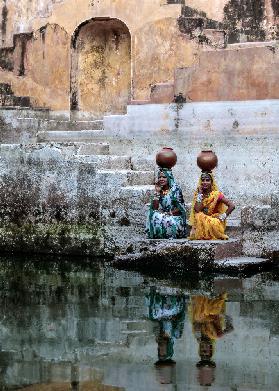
169 311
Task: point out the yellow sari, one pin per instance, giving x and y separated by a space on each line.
206 226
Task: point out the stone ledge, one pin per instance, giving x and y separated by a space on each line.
242 263
184 253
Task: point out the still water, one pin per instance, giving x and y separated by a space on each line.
71 326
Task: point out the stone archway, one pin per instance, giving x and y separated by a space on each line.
101 67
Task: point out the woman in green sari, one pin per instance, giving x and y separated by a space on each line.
167 217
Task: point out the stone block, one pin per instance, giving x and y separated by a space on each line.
143 163
93 149
259 217
140 178
57 124
162 93
107 162
275 201
68 136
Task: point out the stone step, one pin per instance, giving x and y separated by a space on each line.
219 249
93 149
126 177
127 207
143 163
241 263
140 178
12 113
50 150
69 136
59 124
106 162
184 253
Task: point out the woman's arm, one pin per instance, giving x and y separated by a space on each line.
229 204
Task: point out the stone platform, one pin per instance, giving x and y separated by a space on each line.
184 254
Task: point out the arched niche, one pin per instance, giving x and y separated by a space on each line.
101 67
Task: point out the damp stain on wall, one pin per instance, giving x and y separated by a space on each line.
244 20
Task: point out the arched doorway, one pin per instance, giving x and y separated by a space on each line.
101 67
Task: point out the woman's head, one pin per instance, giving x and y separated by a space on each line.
165 178
206 181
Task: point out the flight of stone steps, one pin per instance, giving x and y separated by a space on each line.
125 182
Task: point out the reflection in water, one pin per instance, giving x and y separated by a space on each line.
169 311
77 327
209 323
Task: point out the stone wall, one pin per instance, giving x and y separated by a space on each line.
244 136
48 202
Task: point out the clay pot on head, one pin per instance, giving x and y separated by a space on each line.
207 160
166 158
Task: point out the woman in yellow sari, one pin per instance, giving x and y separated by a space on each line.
209 210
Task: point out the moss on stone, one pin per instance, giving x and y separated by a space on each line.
60 238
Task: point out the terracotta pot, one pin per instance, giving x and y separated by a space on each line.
166 158
207 160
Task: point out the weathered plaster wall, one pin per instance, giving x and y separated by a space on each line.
103 67
155 62
48 62
41 67
231 74
20 15
213 9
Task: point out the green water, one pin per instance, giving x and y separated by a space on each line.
67 325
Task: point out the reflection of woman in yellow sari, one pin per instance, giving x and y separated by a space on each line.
209 210
209 323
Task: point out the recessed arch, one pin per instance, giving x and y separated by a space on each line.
101 67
